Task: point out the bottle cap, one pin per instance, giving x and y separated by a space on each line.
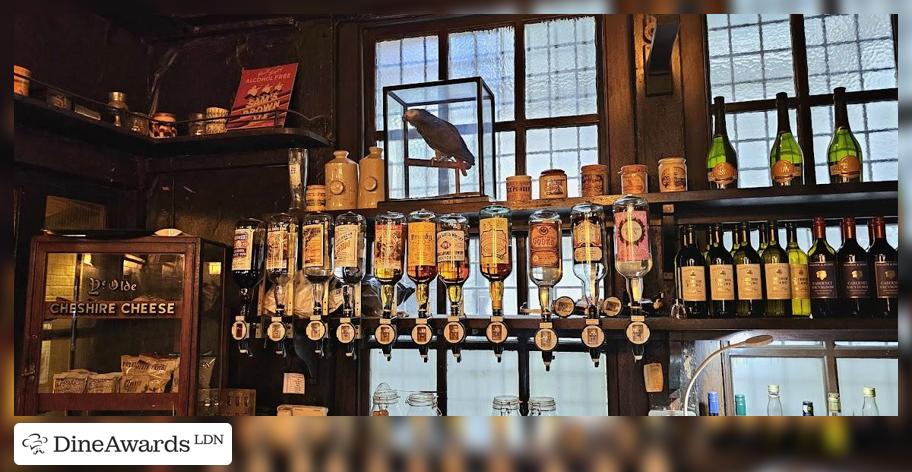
773 388
870 392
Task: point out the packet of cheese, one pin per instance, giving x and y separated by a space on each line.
160 371
104 383
73 381
134 383
132 365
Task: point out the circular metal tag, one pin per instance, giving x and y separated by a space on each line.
638 332
496 332
385 334
316 330
563 306
611 306
239 330
546 339
593 337
422 334
345 333
454 332
276 331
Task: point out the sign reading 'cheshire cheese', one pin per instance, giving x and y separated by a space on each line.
107 309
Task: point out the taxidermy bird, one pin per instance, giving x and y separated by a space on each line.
442 137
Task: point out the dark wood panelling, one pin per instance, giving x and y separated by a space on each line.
695 83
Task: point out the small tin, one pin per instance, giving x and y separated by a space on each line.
595 180
519 188
57 99
117 108
673 174
315 198
139 124
196 125
634 179
21 80
215 125
552 184
163 125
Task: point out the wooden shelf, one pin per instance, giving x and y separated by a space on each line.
34 113
108 401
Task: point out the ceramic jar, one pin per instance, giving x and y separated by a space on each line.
163 125
634 179
215 125
341 182
673 174
315 198
372 180
519 188
21 84
552 184
595 180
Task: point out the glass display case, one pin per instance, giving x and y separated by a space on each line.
111 323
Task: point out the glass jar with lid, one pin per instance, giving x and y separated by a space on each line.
385 401
422 404
505 405
542 406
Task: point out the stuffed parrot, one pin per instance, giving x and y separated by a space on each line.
442 137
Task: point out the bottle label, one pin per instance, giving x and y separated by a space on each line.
293 383
294 174
422 243
634 182
749 284
494 241
886 278
243 249
778 283
593 184
451 246
388 247
822 277
855 279
544 245
847 167
723 174
587 242
785 171
313 245
722 282
631 236
693 284
347 246
798 274
277 249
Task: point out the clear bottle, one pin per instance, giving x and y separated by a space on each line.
422 258
774 404
297 176
776 275
542 406
798 274
844 153
281 256
545 255
389 249
496 251
453 256
587 223
690 272
632 247
740 405
786 158
247 268
869 407
422 404
505 405
316 260
834 404
385 401
721 161
350 240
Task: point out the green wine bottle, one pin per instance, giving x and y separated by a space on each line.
786 157
748 282
844 152
798 273
721 161
776 275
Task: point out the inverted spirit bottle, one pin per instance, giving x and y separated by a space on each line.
587 223
453 270
798 274
776 275
774 404
721 276
786 158
721 161
348 266
822 274
249 253
495 246
690 272
748 277
632 248
545 271
883 262
421 267
854 273
316 260
844 152
281 246
389 249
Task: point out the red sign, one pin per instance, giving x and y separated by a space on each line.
260 94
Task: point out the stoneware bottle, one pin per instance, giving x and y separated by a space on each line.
341 182
373 179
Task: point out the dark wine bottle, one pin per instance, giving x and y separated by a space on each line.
721 276
844 152
883 262
763 230
786 168
822 274
748 273
690 268
736 239
721 161
854 273
777 280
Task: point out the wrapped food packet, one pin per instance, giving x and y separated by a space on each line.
73 381
134 383
132 365
160 371
103 383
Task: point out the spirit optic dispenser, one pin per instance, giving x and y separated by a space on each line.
633 260
389 248
281 257
247 268
348 263
317 263
545 270
422 269
453 270
496 261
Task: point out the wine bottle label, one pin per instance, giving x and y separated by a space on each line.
886 279
243 249
778 283
855 279
631 236
847 167
822 277
494 240
693 284
587 242
723 174
801 288
294 174
347 242
451 246
722 282
750 286
544 245
293 383
422 242
313 245
784 172
277 249
388 247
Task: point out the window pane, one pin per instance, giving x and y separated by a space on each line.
800 379
889 344
578 388
566 148
473 383
560 68
506 160
405 371
489 54
752 135
403 61
476 291
852 51
875 126
750 56
855 374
